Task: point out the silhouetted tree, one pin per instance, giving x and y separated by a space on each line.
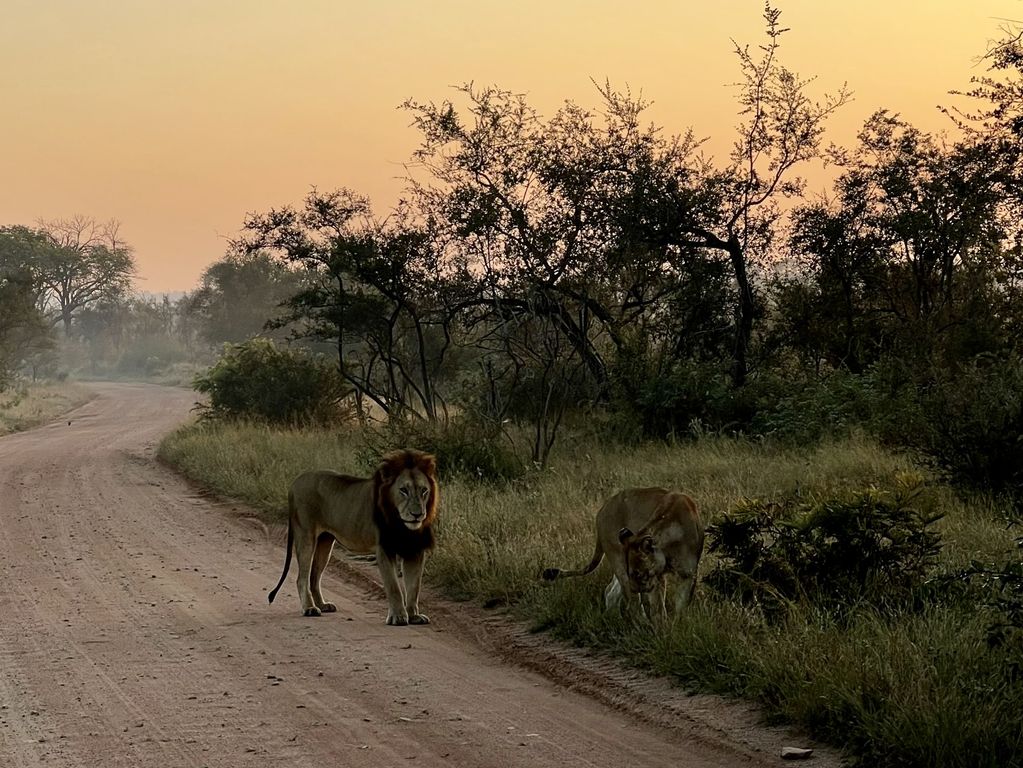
24 331
374 294
600 214
909 257
539 219
240 295
86 262
781 128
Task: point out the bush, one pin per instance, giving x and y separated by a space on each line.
883 402
688 399
999 588
872 547
257 380
463 448
975 419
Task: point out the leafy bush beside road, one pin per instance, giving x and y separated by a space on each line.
261 381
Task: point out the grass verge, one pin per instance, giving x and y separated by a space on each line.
919 688
25 407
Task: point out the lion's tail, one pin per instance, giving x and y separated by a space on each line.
550 574
287 562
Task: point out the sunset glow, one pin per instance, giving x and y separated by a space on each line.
178 118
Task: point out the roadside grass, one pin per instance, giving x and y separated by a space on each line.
256 463
24 407
917 688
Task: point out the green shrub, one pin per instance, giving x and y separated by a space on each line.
975 418
999 588
870 547
883 402
258 380
690 398
463 448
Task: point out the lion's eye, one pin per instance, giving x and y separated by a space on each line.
423 492
403 491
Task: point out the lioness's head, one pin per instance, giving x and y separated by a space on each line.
407 488
644 561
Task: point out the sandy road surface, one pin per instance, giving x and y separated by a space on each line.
134 631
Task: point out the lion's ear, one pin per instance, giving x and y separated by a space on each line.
428 464
648 544
624 534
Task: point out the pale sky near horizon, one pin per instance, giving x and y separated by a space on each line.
178 117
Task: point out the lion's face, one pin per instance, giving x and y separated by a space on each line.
644 562
410 493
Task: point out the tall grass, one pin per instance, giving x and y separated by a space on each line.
915 689
29 406
256 463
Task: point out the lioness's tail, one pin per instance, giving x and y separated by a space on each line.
550 574
287 563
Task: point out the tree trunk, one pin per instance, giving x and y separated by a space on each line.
744 312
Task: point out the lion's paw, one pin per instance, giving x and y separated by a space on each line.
328 608
311 612
418 618
397 620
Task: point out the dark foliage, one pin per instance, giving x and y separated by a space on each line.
975 416
883 401
463 447
258 380
998 588
871 547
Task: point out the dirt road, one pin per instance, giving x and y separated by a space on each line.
134 631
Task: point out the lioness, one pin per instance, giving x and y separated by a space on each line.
669 540
390 514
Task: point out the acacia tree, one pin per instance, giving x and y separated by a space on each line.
87 262
910 255
540 214
781 128
600 214
375 295
24 332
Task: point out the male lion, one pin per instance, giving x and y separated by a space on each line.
669 540
390 514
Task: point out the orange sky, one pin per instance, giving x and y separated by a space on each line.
177 117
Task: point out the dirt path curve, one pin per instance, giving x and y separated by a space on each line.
134 631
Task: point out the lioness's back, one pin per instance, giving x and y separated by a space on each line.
629 508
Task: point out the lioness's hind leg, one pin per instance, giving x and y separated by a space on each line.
324 546
684 593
